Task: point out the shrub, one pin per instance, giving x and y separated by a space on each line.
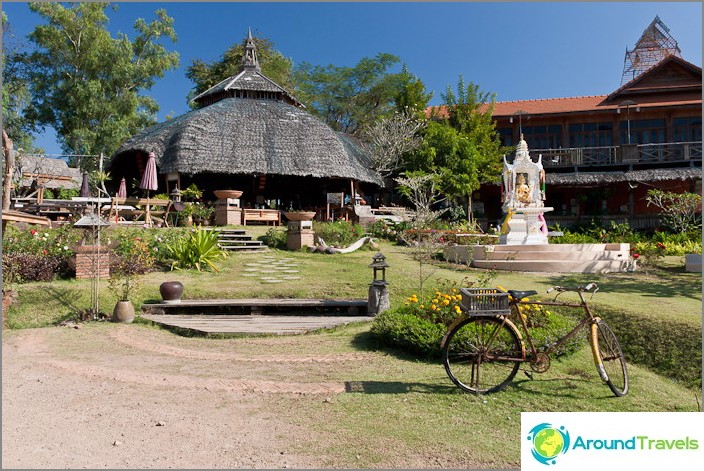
274 238
133 255
338 233
670 348
198 249
401 329
25 267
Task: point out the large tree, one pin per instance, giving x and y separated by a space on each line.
88 85
273 63
349 98
15 92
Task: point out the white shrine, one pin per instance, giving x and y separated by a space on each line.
523 196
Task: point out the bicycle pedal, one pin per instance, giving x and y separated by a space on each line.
529 374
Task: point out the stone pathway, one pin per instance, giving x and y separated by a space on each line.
272 270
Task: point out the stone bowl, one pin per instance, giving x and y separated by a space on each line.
300 216
224 194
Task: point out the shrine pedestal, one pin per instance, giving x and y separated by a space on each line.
300 234
525 228
228 212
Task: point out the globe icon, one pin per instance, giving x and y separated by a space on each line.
548 443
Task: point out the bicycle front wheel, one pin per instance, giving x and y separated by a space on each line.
609 359
482 354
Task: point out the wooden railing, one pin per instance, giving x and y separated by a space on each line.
631 154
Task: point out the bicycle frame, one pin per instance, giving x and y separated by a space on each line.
589 319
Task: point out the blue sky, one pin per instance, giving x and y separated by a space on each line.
524 50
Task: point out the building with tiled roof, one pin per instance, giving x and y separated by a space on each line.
603 153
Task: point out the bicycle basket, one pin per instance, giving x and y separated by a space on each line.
485 302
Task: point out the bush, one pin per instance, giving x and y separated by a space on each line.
401 329
338 233
672 349
274 238
198 249
25 267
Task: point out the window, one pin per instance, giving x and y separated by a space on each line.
688 129
543 137
643 131
591 135
505 136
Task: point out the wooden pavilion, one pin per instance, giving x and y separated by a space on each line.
250 134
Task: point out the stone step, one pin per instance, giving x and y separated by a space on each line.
561 247
557 255
261 306
557 266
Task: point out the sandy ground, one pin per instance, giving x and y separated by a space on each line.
129 397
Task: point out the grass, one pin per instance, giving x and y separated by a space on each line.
410 405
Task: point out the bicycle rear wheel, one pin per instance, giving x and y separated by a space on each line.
482 354
608 358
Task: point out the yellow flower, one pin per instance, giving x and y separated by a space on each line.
405 304
422 306
445 302
457 309
548 312
435 300
433 307
454 290
527 308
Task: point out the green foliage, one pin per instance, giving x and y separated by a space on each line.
274 238
681 212
401 329
88 85
61 193
338 233
133 255
273 64
349 98
670 348
198 249
451 156
412 95
15 90
192 193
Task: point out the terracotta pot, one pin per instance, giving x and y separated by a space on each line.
300 216
123 312
171 291
223 194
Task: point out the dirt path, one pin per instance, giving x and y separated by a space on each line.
130 397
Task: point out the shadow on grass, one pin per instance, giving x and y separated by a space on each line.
368 341
664 283
396 387
65 296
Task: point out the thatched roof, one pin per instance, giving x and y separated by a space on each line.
53 173
249 124
247 136
599 178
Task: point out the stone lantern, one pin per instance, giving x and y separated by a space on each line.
378 300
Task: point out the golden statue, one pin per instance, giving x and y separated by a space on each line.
523 191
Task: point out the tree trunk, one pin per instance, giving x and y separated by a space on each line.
9 152
470 216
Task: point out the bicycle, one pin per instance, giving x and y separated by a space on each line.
483 349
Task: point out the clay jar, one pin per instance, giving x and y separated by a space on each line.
171 291
123 312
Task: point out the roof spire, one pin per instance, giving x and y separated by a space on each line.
249 58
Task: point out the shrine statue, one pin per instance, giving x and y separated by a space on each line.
523 191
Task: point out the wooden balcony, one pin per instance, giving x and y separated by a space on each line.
668 154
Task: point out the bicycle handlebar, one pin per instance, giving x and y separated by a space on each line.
578 289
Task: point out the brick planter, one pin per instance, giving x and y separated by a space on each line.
87 260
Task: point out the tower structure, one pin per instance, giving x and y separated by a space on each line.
654 45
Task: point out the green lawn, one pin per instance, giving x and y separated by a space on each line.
399 407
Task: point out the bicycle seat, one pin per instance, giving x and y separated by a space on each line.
521 294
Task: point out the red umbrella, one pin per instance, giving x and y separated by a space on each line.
149 182
122 191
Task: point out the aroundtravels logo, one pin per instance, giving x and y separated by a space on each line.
548 442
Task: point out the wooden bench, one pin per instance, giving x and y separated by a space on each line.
261 215
118 209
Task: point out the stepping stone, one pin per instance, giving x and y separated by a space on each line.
290 271
249 274
291 277
253 264
272 281
251 269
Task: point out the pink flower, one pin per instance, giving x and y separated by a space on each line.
636 256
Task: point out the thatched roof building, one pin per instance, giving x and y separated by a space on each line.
47 172
248 132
